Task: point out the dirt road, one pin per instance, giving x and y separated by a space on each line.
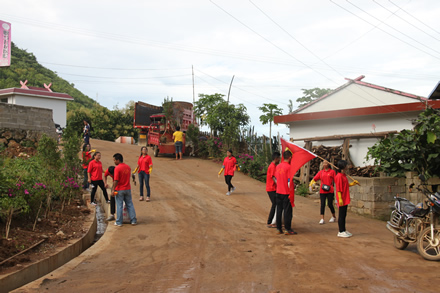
191 237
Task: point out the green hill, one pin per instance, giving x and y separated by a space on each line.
24 66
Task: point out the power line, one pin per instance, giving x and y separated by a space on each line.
409 44
110 68
405 20
414 17
106 77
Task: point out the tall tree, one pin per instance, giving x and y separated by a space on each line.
270 111
310 95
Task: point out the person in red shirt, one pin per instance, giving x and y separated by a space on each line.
326 192
284 207
144 169
94 173
86 158
271 187
110 172
343 196
229 165
122 190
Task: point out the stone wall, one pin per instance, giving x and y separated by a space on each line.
24 125
375 196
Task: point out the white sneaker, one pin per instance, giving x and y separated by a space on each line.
332 220
348 233
228 193
233 189
321 222
343 234
119 225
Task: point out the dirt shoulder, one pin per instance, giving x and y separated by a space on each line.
191 237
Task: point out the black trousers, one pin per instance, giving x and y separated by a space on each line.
95 184
330 197
112 205
284 207
273 200
228 179
341 218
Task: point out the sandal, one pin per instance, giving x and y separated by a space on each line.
271 226
148 199
141 198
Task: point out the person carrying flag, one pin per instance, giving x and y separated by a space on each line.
283 202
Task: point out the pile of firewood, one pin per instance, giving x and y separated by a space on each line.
333 155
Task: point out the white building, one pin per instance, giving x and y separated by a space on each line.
38 97
356 111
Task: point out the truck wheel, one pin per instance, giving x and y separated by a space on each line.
155 151
428 246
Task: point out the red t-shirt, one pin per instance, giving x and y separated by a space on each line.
95 170
229 165
270 184
282 174
86 157
122 175
327 177
144 164
107 173
342 186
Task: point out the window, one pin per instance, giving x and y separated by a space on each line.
4 100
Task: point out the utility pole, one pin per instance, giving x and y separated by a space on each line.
194 97
229 92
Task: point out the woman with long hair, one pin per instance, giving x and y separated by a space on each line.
95 177
144 169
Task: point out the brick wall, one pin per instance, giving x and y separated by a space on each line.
19 123
375 195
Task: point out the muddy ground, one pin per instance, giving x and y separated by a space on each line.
191 237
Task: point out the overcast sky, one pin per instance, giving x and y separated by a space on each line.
117 51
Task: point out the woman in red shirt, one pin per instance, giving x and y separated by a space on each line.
326 192
229 165
343 196
144 168
95 177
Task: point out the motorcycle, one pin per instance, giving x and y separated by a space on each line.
417 223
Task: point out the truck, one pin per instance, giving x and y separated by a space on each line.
157 125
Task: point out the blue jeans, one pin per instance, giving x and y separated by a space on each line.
144 177
178 145
121 197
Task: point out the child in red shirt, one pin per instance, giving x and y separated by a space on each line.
229 165
284 206
271 187
94 172
343 196
86 158
326 192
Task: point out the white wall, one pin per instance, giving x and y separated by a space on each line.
356 96
58 106
352 125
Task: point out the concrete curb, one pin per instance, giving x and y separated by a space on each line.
63 255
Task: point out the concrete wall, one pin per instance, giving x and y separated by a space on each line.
24 123
375 196
57 106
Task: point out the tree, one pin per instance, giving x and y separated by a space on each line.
270 111
207 109
311 95
411 150
290 106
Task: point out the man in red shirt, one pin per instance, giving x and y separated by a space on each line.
271 187
283 177
122 190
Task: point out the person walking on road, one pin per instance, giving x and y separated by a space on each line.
229 166
94 173
122 190
86 132
343 196
144 169
178 141
284 206
326 191
271 187
110 172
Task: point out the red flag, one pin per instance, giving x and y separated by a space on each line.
300 156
